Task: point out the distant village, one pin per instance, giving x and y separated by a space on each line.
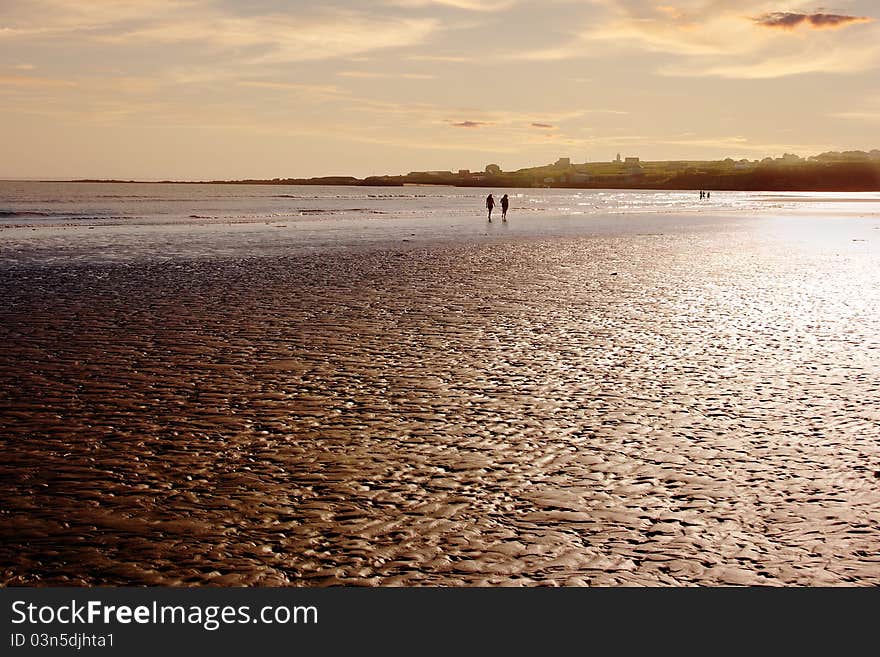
858 168
831 171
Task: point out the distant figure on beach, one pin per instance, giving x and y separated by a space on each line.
708 195
701 194
504 204
490 204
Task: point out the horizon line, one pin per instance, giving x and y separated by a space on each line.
388 175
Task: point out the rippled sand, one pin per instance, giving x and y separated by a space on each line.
683 408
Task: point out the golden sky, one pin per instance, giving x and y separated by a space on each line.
205 89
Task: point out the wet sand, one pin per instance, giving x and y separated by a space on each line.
682 407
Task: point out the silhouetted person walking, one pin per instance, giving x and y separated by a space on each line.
490 205
504 204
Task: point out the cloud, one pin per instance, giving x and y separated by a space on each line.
719 38
209 28
27 81
469 124
51 18
866 109
380 75
788 20
314 92
542 125
859 57
469 5
287 38
455 59
733 144
858 116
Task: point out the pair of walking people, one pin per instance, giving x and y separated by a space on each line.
490 205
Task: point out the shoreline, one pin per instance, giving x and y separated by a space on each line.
489 184
133 242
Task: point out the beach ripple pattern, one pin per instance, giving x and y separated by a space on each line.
697 409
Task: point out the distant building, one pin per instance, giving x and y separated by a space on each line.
579 177
563 162
493 169
464 172
633 168
618 159
548 180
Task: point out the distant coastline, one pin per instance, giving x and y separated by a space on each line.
850 171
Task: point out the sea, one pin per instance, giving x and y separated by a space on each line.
37 203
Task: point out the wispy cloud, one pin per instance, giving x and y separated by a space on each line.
867 109
314 92
469 124
284 38
280 36
80 18
542 125
469 5
27 81
788 20
858 116
733 144
722 38
455 59
385 75
815 60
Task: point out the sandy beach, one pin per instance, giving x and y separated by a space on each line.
660 401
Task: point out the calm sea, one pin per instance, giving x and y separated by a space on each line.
51 203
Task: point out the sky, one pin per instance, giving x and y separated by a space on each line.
228 89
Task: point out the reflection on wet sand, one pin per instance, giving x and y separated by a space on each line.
642 409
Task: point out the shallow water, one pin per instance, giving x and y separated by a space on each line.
667 401
29 203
